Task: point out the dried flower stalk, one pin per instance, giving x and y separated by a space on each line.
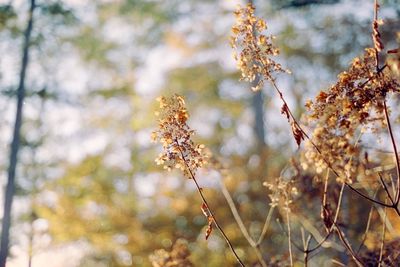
253 49
180 152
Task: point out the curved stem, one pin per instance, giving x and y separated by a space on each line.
241 225
266 225
289 236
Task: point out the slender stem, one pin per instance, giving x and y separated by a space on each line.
383 239
299 248
266 225
385 188
348 246
242 227
289 236
330 231
397 196
208 207
306 253
369 198
236 215
389 126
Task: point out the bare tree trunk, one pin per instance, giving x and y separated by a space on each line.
259 124
9 194
258 111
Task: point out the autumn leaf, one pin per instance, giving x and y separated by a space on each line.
209 227
285 110
210 219
297 133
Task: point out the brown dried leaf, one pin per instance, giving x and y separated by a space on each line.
205 210
285 110
297 133
209 227
210 219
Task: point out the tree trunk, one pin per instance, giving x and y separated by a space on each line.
9 194
258 111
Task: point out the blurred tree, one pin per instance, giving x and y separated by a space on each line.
9 193
32 40
302 3
101 196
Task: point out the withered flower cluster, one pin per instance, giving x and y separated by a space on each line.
253 49
176 137
339 114
177 257
281 190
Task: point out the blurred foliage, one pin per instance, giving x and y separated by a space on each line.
6 14
301 3
116 200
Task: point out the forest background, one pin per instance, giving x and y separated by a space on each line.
88 192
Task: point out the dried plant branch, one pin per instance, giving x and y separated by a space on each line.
347 245
369 198
385 188
382 238
332 226
396 154
299 127
180 152
265 66
306 253
289 236
378 45
297 246
199 190
332 222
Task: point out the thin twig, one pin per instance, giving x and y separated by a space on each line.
208 207
369 198
236 215
348 246
385 188
331 229
397 197
297 246
383 238
389 127
289 236
306 246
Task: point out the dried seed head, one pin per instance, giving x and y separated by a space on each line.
176 137
282 191
253 49
355 101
